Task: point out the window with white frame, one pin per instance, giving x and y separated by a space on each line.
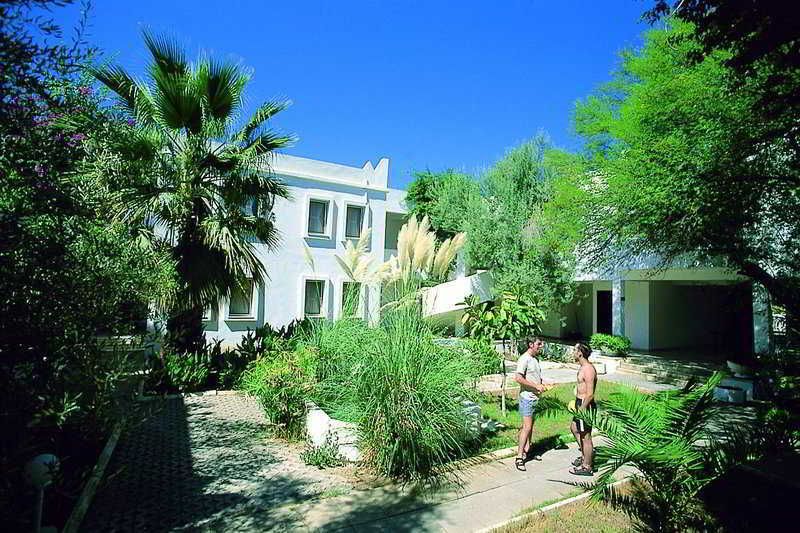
318 215
351 298
314 298
354 221
242 302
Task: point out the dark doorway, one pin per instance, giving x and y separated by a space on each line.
604 312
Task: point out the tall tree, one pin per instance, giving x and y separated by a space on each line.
443 198
682 163
207 190
504 227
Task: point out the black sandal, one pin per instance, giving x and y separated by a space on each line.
581 471
519 462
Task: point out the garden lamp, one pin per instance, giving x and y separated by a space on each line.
39 473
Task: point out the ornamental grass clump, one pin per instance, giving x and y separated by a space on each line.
403 391
412 422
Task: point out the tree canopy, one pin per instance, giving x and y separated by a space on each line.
681 161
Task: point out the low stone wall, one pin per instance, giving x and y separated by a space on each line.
321 429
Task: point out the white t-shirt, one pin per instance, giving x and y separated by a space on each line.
530 369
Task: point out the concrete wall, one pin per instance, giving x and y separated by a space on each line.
637 314
280 299
577 316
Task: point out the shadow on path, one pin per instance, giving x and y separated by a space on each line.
165 475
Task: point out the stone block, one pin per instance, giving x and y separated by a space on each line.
729 394
744 384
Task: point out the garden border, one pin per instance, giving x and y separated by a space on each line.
547 508
89 490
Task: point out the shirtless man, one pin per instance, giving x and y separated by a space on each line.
584 400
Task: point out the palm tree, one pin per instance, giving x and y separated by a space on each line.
677 442
206 192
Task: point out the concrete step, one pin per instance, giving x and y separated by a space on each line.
671 379
677 370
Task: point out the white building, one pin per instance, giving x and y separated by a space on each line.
329 204
689 310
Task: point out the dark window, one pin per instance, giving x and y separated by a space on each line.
355 221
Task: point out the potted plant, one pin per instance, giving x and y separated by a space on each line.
615 345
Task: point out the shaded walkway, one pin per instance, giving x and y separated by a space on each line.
203 463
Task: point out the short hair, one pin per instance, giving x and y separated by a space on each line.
584 350
531 339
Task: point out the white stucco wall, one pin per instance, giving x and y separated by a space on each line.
637 314
280 299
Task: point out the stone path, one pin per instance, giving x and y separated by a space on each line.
204 463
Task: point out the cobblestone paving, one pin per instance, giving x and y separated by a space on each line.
204 463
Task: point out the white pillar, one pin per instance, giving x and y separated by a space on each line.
762 318
618 307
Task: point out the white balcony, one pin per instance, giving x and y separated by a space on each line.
443 302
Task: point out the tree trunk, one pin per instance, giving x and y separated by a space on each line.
783 292
503 371
185 331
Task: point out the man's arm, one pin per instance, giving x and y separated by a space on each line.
538 387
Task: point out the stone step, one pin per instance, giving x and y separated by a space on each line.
663 369
671 379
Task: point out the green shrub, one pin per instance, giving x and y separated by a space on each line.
559 353
325 456
187 372
485 358
615 344
282 382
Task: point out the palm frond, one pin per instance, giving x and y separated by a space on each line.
120 82
168 55
309 256
221 85
266 111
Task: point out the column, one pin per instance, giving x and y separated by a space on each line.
618 307
762 319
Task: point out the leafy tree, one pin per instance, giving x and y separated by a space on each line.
512 318
682 165
29 54
67 271
505 227
191 179
443 198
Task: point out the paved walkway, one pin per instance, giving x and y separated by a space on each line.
204 463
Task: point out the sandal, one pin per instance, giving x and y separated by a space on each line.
578 461
581 471
519 462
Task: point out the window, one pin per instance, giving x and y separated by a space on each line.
351 298
314 297
207 314
318 217
241 303
354 221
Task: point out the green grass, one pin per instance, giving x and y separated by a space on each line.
545 503
548 432
578 517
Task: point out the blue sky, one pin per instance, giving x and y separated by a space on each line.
427 84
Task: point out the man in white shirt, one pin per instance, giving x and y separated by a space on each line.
529 377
